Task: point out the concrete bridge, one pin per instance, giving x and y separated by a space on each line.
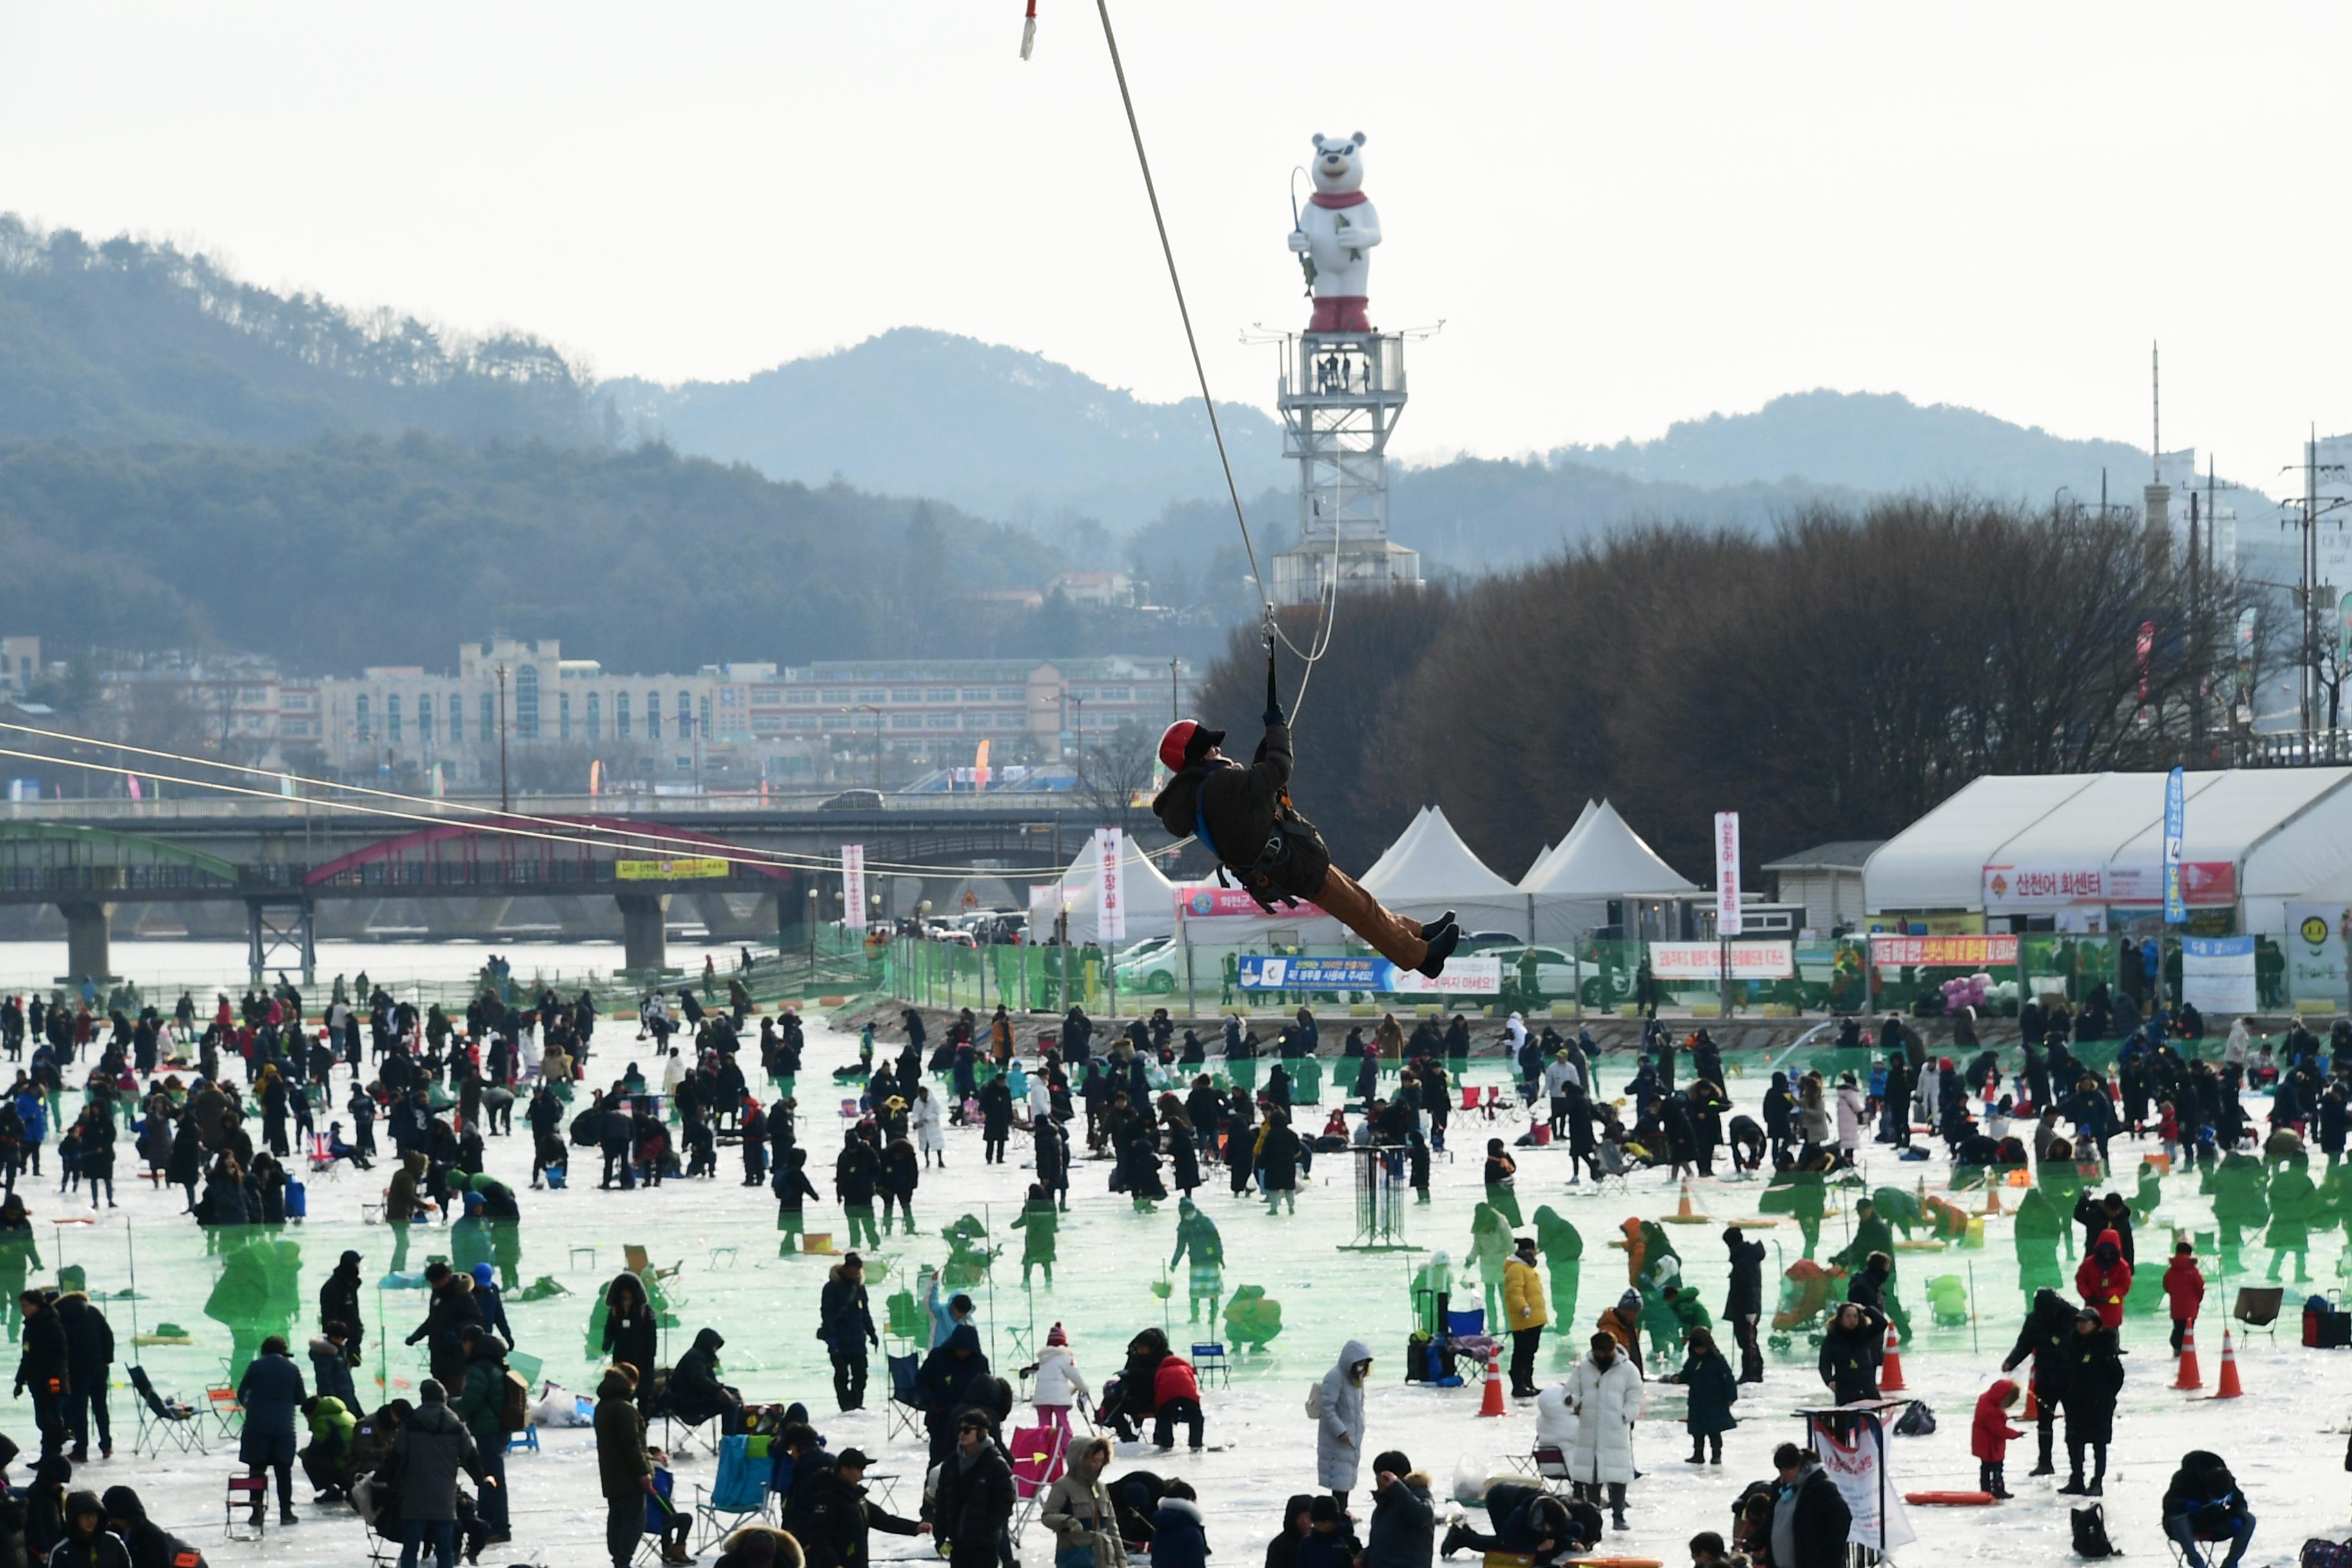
276 871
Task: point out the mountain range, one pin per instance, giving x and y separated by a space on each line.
152 356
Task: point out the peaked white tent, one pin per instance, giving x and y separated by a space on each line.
1429 871
1395 853
1543 862
1149 896
1603 859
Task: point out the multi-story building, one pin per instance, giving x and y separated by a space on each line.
20 661
727 723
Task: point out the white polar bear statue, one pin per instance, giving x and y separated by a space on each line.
1336 232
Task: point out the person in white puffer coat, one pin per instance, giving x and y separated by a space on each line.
1059 1385
1605 1392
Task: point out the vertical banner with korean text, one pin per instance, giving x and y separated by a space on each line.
1726 873
852 887
2176 822
1110 900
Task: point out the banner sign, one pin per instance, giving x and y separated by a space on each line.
852 887
1682 963
1110 900
2048 886
1853 1455
1207 901
667 871
1461 977
1726 873
2217 973
1942 952
2175 817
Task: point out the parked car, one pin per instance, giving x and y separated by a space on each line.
853 800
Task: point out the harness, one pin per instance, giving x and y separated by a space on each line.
1257 878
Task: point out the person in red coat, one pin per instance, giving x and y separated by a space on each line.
1988 1439
2184 1287
2103 1279
1175 1396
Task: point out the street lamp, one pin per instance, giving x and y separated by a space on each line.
869 708
812 930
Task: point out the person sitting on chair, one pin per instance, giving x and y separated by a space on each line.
1244 816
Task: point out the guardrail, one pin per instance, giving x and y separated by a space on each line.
474 808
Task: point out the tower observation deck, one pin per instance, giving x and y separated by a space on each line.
1340 397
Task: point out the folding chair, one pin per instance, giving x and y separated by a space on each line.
1209 1360
1551 1468
1037 1453
321 1162
1495 1100
162 1421
738 1494
247 1495
641 1265
659 1512
904 1410
2258 1307
1469 1106
226 1411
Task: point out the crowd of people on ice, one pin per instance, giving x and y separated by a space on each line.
1145 1103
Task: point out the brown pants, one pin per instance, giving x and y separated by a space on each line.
1393 936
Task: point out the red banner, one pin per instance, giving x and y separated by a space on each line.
1943 952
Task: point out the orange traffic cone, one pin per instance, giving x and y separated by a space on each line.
1492 1405
2229 1387
1993 1208
1890 1377
1684 1210
2191 1375
2032 1400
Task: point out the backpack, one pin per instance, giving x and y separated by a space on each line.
2091 1532
1315 1399
2320 1553
1917 1422
514 1402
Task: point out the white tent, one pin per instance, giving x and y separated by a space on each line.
1542 864
1602 860
1395 853
1429 870
1150 898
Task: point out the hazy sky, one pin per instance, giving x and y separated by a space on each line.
1624 215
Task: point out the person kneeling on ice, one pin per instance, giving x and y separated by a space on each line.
1988 1437
1244 816
2204 1506
1530 1521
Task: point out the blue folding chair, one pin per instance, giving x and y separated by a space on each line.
1466 1325
1209 1361
739 1494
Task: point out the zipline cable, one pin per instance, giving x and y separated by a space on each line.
577 835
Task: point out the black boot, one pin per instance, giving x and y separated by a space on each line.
1453 1542
1443 940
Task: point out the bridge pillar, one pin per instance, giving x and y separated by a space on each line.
86 943
643 938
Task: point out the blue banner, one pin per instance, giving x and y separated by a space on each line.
2217 947
1263 974
2176 814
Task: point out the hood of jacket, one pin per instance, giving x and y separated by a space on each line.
1351 1353
796 1157
415 1162
963 1337
710 1342
122 1503
2109 1240
324 1349
615 1384
436 1417
1182 1508
2052 1311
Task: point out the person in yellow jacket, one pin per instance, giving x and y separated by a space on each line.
1526 1313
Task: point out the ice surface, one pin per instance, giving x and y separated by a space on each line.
2284 1440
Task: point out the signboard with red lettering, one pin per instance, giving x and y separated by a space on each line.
1110 898
2048 885
1942 952
1207 901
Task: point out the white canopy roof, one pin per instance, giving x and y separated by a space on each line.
1605 857
1150 898
1536 872
1395 853
1937 862
1436 872
2285 833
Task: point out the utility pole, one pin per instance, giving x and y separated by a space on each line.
1173 664
502 738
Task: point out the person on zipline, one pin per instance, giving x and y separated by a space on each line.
1244 816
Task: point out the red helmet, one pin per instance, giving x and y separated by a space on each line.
1183 742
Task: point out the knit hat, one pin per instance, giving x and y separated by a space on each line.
431 1392
482 1275
1631 1302
1055 1336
